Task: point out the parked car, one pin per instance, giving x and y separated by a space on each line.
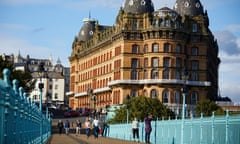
71 113
85 112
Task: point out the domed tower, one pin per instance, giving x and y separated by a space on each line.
189 7
87 30
138 6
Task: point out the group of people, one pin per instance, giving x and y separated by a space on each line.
66 125
93 125
90 125
148 128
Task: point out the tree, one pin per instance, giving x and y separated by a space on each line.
207 107
24 77
140 107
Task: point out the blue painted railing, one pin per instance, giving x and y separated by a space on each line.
20 118
203 130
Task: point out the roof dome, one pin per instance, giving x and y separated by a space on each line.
138 6
189 7
87 30
165 11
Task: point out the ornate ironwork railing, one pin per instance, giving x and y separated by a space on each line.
21 121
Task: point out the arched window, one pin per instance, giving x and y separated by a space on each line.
176 97
135 25
165 96
166 47
154 74
154 93
167 23
166 62
145 62
155 62
194 51
156 23
166 74
194 98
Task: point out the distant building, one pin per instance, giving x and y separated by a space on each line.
228 105
55 80
145 53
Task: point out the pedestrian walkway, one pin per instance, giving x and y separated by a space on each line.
82 139
72 138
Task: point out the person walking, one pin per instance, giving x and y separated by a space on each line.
87 127
78 127
148 128
67 126
105 129
95 127
60 126
135 129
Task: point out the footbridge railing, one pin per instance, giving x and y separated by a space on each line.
20 119
202 130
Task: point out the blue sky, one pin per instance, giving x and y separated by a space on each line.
44 28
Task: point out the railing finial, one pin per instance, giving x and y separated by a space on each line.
15 86
6 77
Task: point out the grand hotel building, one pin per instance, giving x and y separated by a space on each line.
145 53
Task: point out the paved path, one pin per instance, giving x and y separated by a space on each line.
82 139
72 138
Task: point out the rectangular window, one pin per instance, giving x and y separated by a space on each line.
146 62
195 51
134 93
166 74
155 48
135 25
145 48
135 49
134 63
56 96
145 74
194 65
178 49
117 51
166 62
178 62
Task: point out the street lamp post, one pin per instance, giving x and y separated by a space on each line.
184 91
41 86
127 101
94 98
89 93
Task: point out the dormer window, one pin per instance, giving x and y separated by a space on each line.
135 25
194 27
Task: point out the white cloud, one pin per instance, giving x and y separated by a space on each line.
11 44
228 42
229 52
233 27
